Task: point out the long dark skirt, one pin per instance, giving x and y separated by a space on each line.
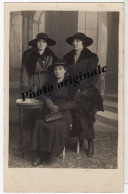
51 137
87 128
83 127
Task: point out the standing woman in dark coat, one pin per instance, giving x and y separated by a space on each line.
89 98
36 62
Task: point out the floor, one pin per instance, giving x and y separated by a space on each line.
105 153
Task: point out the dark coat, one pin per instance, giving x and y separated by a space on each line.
87 62
88 100
35 68
51 137
32 64
31 56
85 54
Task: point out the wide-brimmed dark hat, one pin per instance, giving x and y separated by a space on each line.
43 36
81 36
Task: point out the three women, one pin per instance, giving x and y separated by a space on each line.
49 139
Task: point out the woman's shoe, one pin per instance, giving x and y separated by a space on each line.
37 162
90 150
46 157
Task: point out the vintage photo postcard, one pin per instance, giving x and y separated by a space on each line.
64 73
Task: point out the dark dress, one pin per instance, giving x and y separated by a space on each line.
89 98
51 137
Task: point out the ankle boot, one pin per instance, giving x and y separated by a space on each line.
37 159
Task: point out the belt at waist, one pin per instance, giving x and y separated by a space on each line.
40 72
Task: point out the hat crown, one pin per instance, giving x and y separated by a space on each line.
87 41
79 35
41 36
60 62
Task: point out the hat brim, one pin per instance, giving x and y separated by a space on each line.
50 42
60 64
87 40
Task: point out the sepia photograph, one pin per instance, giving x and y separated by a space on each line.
60 34
63 88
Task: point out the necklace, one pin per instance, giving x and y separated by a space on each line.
76 57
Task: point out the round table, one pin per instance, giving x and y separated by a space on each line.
23 105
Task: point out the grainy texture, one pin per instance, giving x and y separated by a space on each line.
105 155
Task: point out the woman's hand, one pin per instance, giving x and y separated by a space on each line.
49 103
54 109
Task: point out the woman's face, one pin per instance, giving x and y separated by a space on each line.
77 44
41 44
59 72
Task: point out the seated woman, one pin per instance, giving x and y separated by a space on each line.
49 138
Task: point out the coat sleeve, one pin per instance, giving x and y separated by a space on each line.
92 67
47 101
24 77
68 106
24 84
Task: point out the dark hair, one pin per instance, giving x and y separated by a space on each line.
83 41
66 73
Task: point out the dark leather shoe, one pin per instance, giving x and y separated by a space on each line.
89 154
37 162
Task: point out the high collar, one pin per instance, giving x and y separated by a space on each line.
85 54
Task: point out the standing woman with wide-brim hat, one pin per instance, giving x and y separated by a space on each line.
79 41
35 63
83 120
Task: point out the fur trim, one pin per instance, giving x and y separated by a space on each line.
85 54
30 57
89 101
